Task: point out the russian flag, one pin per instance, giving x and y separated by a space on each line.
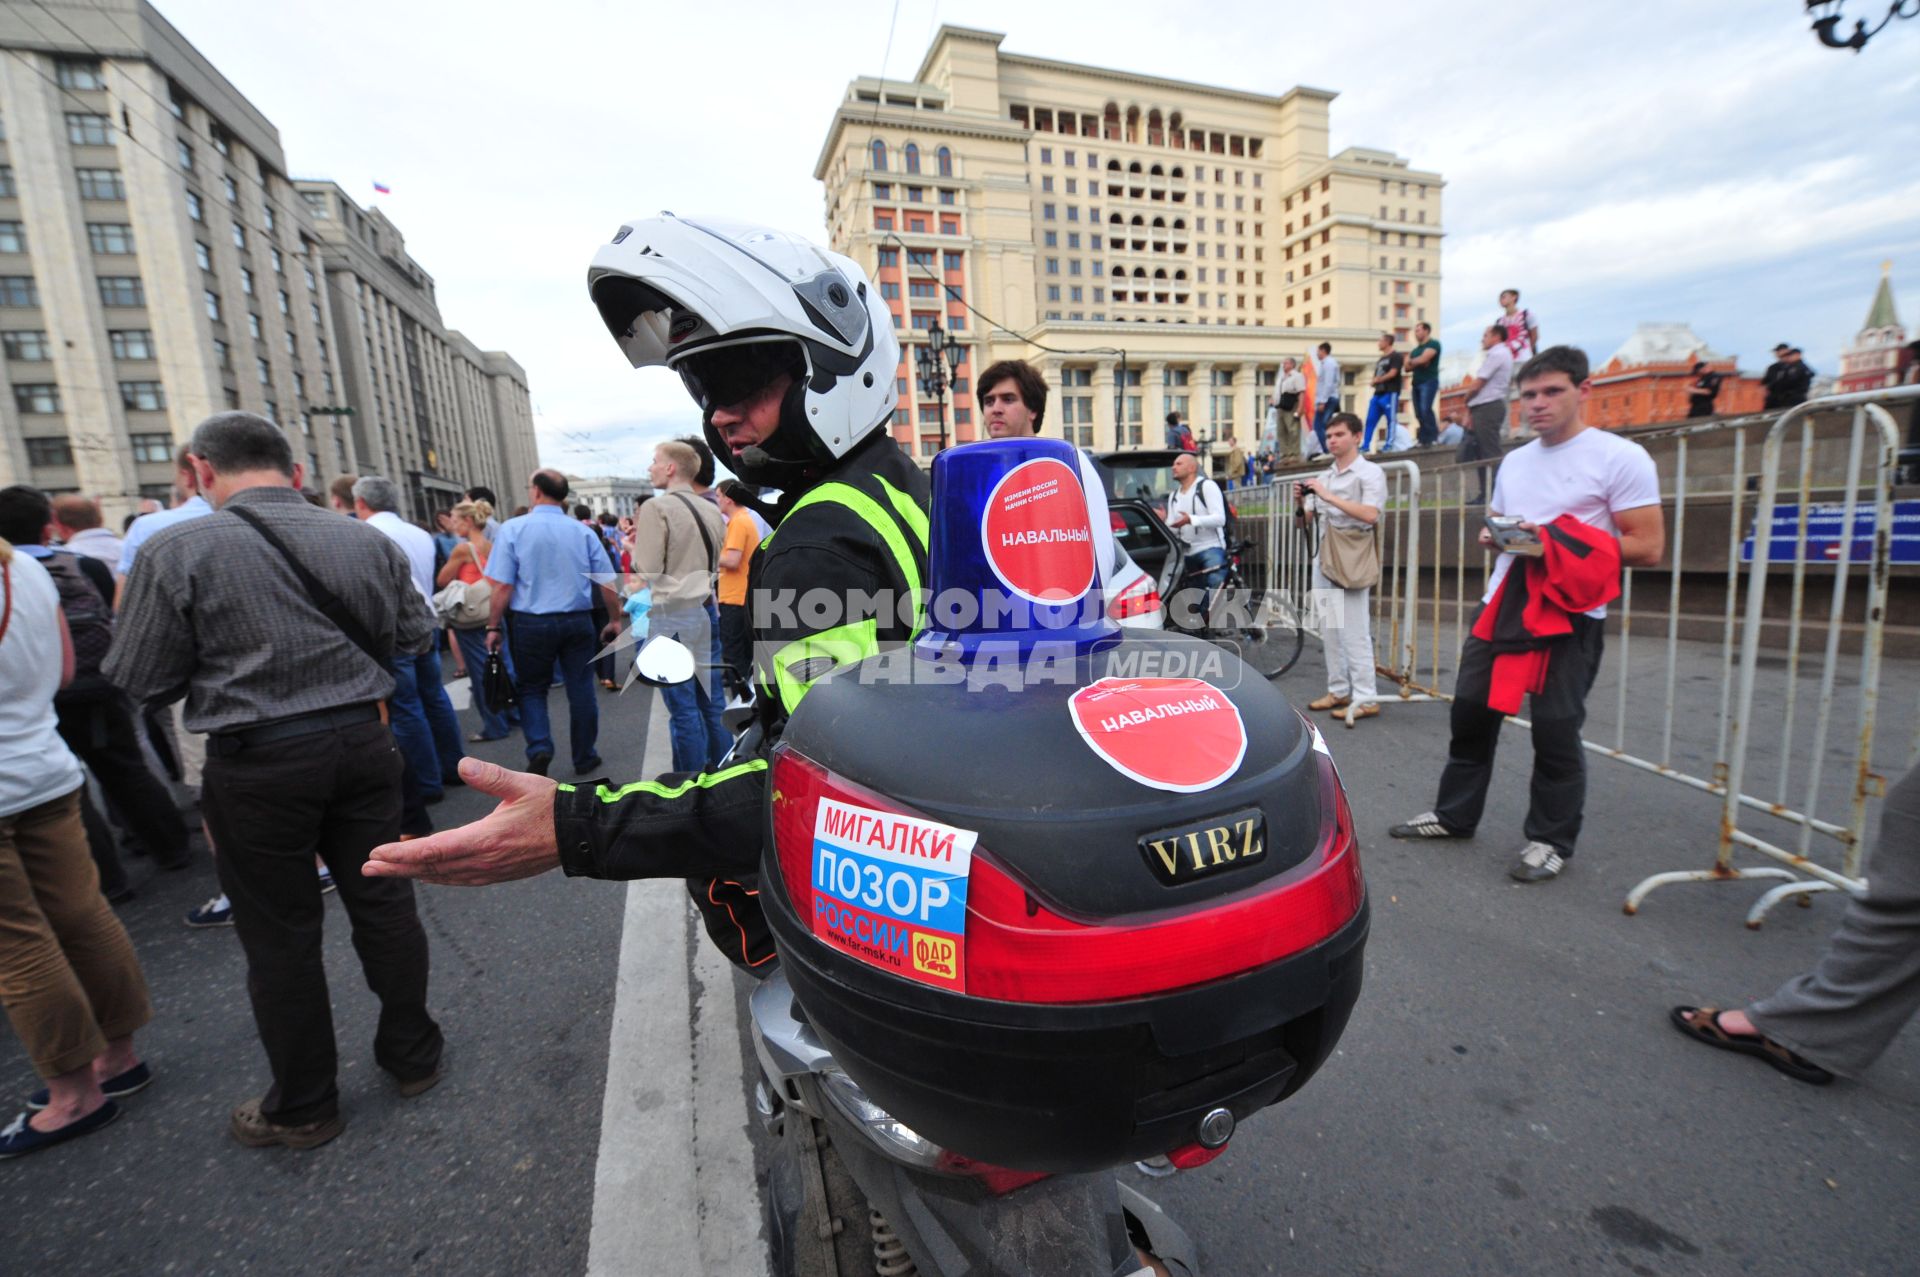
382 188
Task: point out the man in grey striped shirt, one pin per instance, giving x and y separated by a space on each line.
277 621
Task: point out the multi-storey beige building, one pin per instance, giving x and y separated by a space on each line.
430 409
1153 245
157 265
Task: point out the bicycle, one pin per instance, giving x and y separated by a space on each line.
1260 626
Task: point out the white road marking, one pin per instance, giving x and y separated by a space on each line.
673 1188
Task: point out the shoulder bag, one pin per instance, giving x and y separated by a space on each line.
326 600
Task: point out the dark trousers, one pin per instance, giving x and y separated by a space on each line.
424 725
736 644
603 666
1427 427
103 846
543 643
100 731
1486 423
271 808
1558 711
1320 419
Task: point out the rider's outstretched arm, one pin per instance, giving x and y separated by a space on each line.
684 824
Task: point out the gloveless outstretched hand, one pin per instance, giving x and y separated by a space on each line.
514 840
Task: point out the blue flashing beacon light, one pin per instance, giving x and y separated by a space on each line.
1013 559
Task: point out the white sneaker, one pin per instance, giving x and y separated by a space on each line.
1537 863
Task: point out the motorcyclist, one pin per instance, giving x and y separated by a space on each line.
790 353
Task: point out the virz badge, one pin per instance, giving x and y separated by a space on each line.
1215 845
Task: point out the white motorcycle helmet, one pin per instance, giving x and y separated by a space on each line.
730 307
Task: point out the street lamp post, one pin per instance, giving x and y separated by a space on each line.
1826 22
935 363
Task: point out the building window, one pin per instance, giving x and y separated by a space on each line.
1053 292
1049 212
78 73
26 345
253 325
1053 266
266 373
1050 238
49 452
289 336
883 190
882 221
36 397
143 396
101 184
951 261
110 237
279 263
944 158
203 255
946 196
916 195
877 156
922 320
131 343
889 257
890 290
152 447
911 157
193 207
917 225
240 237
920 257
246 281
313 285
213 304
286 304
122 290
85 129
13 237
228 185
267 213
7 186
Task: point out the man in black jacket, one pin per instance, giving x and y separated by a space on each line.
789 352
1787 378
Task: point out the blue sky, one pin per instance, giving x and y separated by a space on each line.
1693 160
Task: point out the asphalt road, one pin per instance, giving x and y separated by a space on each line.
1507 1098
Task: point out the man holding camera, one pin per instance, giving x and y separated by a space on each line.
1347 499
1582 500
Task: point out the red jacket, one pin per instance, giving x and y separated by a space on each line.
1578 571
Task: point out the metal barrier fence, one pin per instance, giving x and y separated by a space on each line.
1433 568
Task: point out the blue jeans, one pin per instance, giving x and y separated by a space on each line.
693 707
1384 406
1327 408
1207 567
1424 393
473 650
424 726
546 643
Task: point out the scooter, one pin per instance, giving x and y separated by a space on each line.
852 1192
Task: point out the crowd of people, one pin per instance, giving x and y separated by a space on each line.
281 662
252 663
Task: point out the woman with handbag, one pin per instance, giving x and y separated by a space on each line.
1346 499
462 603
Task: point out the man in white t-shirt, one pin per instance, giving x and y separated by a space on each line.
1606 482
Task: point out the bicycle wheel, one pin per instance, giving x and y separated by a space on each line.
1262 627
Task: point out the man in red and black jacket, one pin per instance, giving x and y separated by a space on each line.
1592 500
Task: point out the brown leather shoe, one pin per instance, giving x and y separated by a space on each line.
421 1085
251 1127
1329 701
1370 710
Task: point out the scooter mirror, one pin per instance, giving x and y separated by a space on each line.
662 662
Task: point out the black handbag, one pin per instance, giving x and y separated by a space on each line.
497 685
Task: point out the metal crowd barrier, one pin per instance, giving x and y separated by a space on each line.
1433 570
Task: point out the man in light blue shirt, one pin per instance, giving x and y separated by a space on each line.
1326 386
425 728
194 507
544 566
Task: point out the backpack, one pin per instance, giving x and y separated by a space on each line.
89 621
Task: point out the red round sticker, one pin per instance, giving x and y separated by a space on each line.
1036 533
1180 734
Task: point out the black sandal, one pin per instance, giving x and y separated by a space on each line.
1702 1024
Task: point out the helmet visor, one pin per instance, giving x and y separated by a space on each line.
724 376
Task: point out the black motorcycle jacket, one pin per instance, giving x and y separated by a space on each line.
856 542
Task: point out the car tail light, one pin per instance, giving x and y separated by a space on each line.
1188 1156
1020 950
999 1180
1116 521
1137 599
